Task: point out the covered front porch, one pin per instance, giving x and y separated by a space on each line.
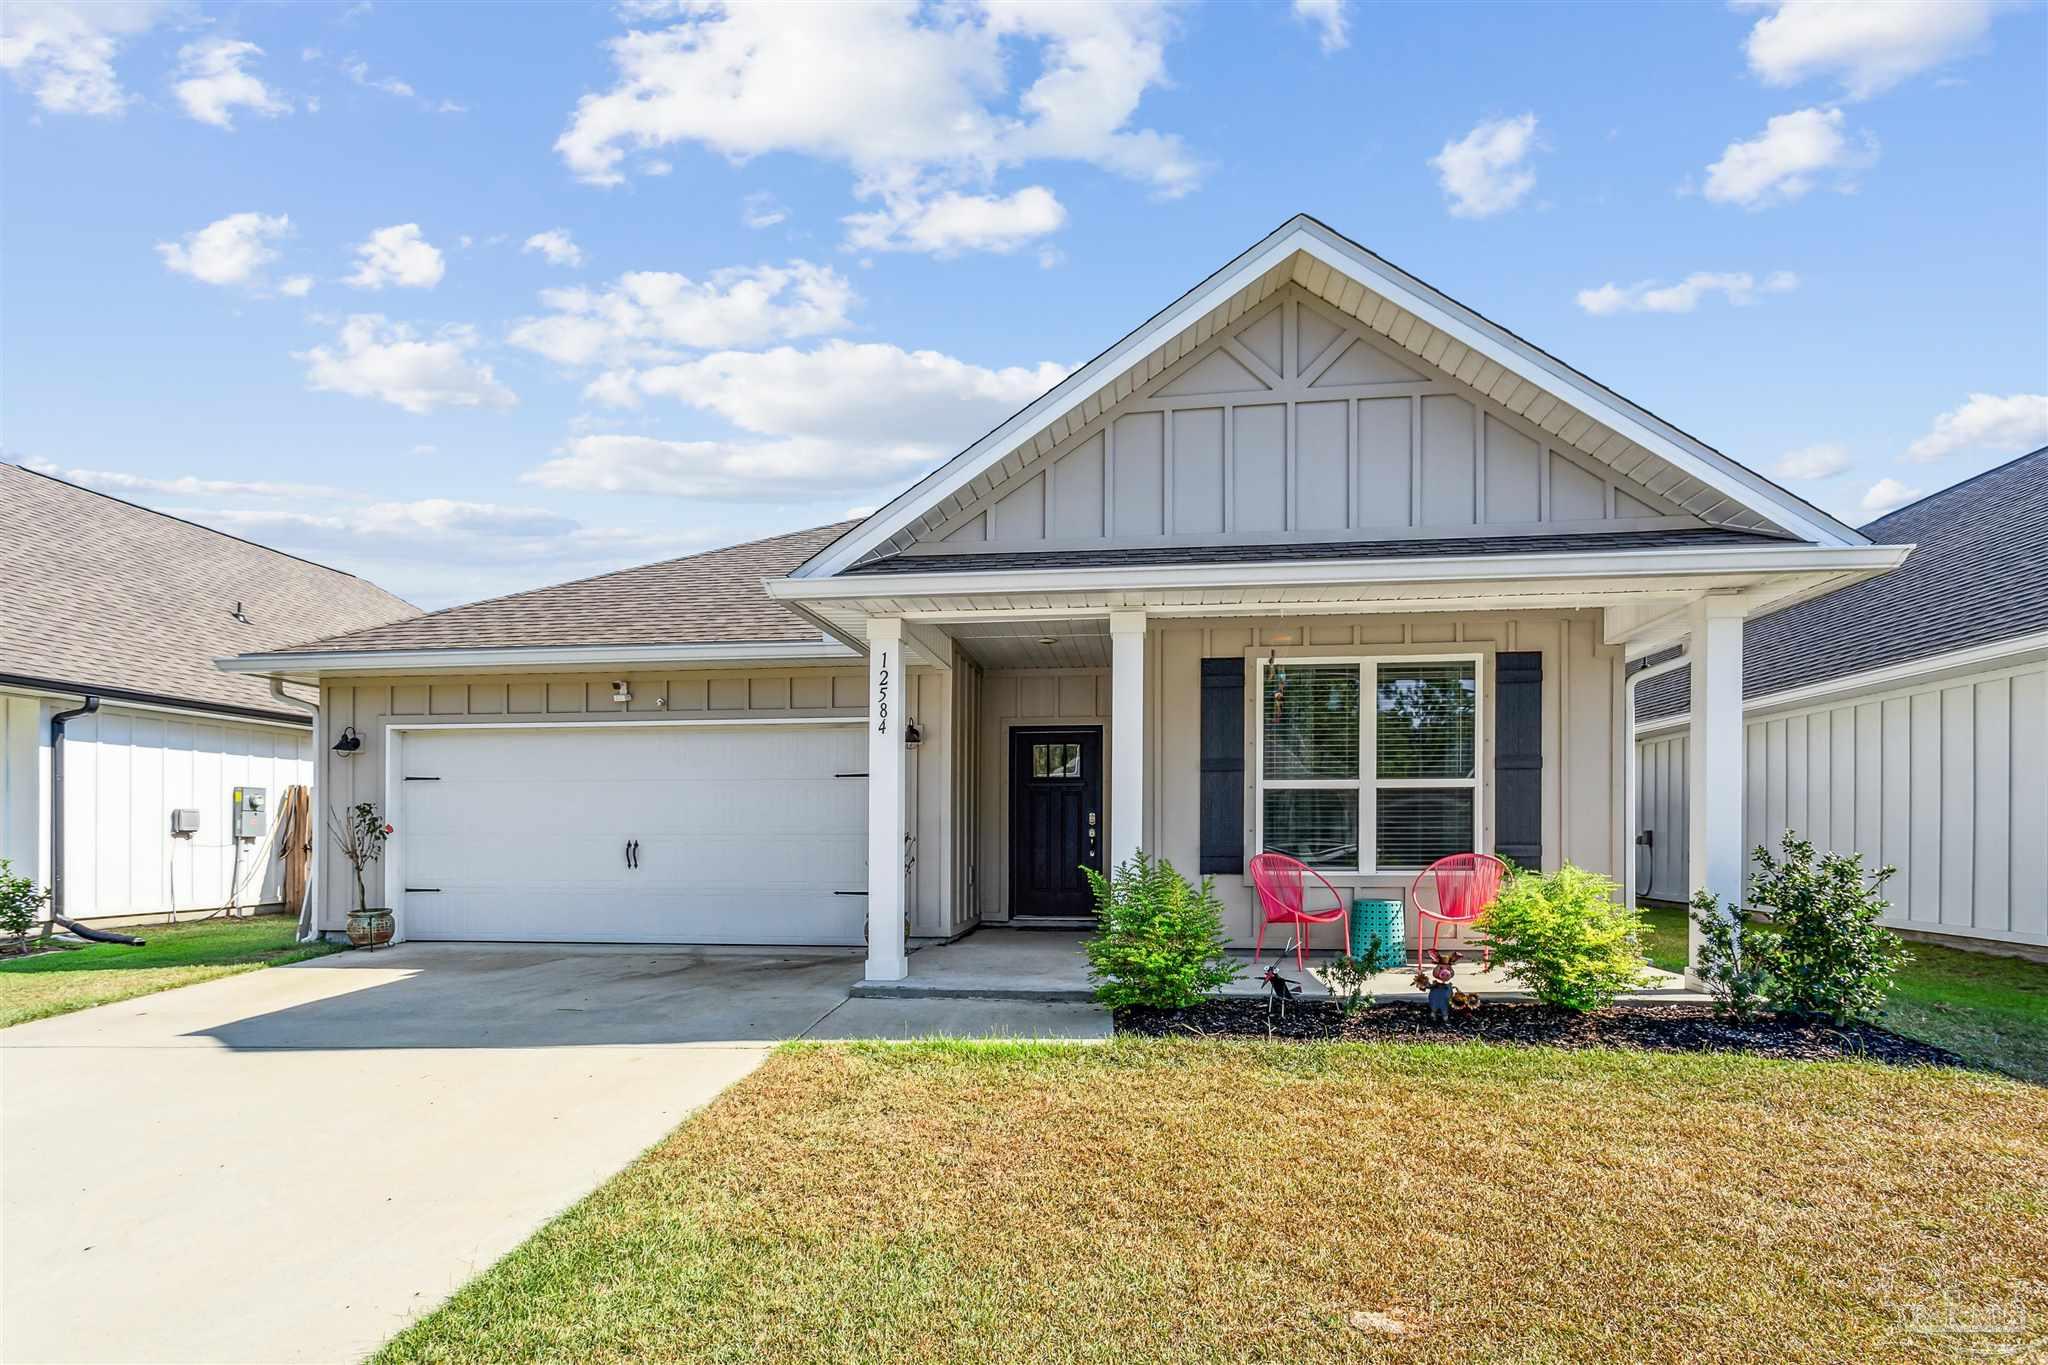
1121 676
1001 963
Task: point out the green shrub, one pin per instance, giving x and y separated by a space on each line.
1566 937
1829 956
1349 977
1158 940
21 902
1735 957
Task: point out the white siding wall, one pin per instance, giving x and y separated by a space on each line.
1663 867
1942 780
124 771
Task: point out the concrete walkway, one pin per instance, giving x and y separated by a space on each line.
291 1164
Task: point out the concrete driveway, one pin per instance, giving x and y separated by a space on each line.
291 1164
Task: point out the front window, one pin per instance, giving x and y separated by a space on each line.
1348 789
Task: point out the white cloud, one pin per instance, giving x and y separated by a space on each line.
915 100
2007 423
743 471
359 72
296 286
64 52
1647 296
398 255
379 359
952 222
1870 45
184 485
213 84
1328 19
1781 163
557 245
866 392
1822 461
762 210
230 250
1485 172
1888 495
647 314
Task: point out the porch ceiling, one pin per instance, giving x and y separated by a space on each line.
1072 642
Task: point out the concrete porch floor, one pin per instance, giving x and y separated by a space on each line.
999 963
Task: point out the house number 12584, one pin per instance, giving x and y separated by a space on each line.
882 696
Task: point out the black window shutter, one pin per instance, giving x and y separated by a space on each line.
1223 765
1518 758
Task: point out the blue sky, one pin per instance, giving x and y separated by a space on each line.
470 300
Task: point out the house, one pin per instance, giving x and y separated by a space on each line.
107 605
1904 717
1317 559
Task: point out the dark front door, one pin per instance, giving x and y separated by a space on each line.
1056 820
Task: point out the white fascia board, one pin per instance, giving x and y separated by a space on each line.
1862 560
1304 234
318 663
1887 678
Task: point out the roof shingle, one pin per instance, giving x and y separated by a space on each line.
709 598
1980 574
97 592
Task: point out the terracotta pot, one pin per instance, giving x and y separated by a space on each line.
370 928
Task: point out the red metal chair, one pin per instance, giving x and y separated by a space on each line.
1283 891
1466 884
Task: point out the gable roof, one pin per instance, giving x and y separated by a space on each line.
1436 329
1979 575
103 594
710 598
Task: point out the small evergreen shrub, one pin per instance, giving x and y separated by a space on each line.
21 902
1829 957
1735 957
1349 977
1158 940
1566 937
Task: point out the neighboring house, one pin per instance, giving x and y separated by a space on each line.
1905 718
100 598
1317 559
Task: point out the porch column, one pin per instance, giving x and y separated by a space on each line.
1714 760
888 711
1126 735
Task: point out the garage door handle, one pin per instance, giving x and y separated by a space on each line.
415 890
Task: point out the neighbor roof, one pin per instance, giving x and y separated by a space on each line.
1297 552
97 593
709 598
1980 575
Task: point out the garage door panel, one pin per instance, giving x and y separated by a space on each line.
747 834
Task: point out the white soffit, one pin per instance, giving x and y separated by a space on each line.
1449 337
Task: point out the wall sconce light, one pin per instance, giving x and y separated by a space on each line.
622 691
912 736
349 742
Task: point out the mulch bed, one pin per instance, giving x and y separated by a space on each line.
1642 1027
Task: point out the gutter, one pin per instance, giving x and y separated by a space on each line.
154 701
309 904
312 663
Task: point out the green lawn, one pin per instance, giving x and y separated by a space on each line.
1163 1200
1992 1010
176 955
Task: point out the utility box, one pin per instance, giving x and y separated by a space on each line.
185 821
251 817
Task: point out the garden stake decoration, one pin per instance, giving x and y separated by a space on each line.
1436 980
1283 992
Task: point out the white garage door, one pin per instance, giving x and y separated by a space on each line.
748 834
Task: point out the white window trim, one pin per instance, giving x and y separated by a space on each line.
1368 780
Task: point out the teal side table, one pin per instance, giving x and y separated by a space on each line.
1388 920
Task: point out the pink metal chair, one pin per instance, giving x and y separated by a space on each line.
1466 884
1283 892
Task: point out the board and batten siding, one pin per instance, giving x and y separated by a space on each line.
125 770
1663 867
1942 780
1298 424
372 704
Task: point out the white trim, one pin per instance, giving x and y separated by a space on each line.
1484 338
1886 678
624 719
1866 560
317 662
108 703
1369 783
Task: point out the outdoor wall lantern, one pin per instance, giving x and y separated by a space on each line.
912 736
349 742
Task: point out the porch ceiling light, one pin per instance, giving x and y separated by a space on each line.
349 742
1048 639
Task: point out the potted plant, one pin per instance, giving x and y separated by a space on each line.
361 838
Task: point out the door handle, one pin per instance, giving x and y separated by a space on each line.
632 853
